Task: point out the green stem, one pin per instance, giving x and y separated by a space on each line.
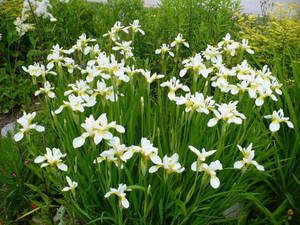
195 78
163 65
120 216
221 143
38 32
177 58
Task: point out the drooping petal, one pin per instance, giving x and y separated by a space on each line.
62 167
290 124
107 194
171 96
59 110
120 129
40 128
50 65
274 127
237 120
18 136
238 165
97 138
66 189
259 101
80 108
212 122
39 159
260 167
250 51
107 135
127 155
44 165
68 92
125 203
156 159
51 95
194 166
185 88
153 169
215 182
180 170
78 142
182 72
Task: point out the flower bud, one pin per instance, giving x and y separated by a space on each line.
142 102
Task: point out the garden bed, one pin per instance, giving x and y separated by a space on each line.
150 116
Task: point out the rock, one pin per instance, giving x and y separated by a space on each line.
233 211
8 128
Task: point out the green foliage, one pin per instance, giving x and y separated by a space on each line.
11 7
14 92
201 21
278 33
16 87
199 24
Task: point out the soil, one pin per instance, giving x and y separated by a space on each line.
10 117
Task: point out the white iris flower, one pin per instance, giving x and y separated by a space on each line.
120 192
170 164
52 158
25 121
179 40
201 156
47 89
174 85
164 49
211 171
97 129
228 113
277 118
248 156
72 185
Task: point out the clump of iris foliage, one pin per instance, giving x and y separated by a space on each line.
200 25
145 125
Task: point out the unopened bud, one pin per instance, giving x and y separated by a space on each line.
205 87
149 188
142 102
53 114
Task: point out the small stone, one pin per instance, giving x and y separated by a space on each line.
8 128
233 211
